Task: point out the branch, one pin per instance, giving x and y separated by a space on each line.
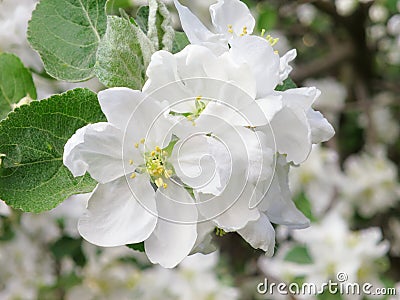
337 55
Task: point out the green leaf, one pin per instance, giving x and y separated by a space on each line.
32 138
142 18
66 33
123 55
299 255
69 247
287 85
137 247
304 205
113 6
160 30
180 42
15 83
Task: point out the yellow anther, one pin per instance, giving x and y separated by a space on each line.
274 41
131 162
153 153
160 170
133 175
262 32
158 149
230 28
276 52
142 141
244 32
167 173
190 118
198 98
159 182
136 145
165 186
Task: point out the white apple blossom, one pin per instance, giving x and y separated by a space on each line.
195 279
14 17
128 157
318 178
177 82
229 123
370 183
332 248
25 266
106 276
294 123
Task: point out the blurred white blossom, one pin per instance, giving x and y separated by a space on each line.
370 183
14 17
318 177
332 248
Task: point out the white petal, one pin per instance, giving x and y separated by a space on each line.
194 29
231 13
176 231
260 234
270 106
119 213
118 104
264 63
277 203
204 243
195 164
97 149
300 97
292 134
285 68
231 210
321 130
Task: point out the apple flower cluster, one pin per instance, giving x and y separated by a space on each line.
205 146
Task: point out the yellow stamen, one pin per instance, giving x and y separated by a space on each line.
244 32
159 182
230 28
153 153
158 149
165 153
142 141
131 162
136 145
133 175
198 98
165 185
262 32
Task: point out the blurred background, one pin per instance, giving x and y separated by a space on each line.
349 187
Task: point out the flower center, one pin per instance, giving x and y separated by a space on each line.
244 30
156 165
200 107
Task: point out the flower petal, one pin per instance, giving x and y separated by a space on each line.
291 134
195 164
231 210
120 214
118 104
260 234
277 203
194 29
97 149
321 130
285 68
176 230
264 63
233 13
